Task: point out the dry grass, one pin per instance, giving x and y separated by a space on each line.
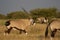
35 33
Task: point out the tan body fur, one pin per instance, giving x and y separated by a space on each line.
55 24
20 23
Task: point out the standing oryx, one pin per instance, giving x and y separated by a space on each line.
42 20
20 24
54 25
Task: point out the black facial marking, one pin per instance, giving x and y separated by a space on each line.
53 33
7 23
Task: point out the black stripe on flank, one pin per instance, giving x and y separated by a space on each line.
21 30
17 28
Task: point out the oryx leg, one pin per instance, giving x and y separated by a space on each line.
21 30
25 31
53 33
8 30
18 29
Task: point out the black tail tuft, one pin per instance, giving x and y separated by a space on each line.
46 32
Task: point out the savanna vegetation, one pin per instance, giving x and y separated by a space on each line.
34 13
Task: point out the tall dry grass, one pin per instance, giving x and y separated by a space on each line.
34 33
